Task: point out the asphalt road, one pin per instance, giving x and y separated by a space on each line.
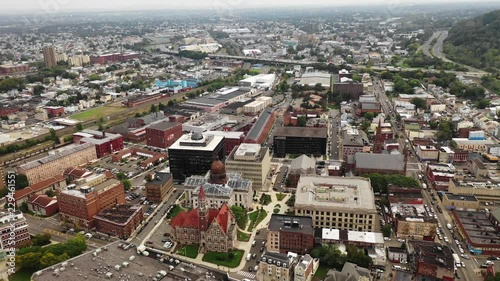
334 135
280 179
427 45
437 49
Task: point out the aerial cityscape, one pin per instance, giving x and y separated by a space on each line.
250 141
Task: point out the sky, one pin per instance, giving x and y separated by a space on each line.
54 6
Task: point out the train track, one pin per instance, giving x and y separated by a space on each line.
42 147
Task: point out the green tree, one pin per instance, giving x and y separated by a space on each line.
419 103
483 103
154 108
387 230
79 126
41 239
127 184
369 116
302 121
38 90
121 176
171 103
94 77
29 260
50 193
318 87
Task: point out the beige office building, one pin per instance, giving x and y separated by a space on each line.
57 161
252 161
50 56
480 189
337 202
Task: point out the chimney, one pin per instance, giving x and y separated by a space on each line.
103 134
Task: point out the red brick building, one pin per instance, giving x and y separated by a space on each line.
120 221
105 143
461 156
8 111
290 234
116 57
439 175
261 128
431 260
163 134
352 89
42 204
54 111
464 132
51 184
7 69
160 187
79 205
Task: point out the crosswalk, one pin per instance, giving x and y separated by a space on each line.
52 220
54 232
246 274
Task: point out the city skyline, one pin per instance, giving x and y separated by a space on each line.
54 6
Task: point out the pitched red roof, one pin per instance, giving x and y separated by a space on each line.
37 187
188 219
75 172
191 218
40 200
223 217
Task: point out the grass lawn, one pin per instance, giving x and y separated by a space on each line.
280 196
98 112
22 275
224 259
176 209
320 273
242 236
255 218
190 251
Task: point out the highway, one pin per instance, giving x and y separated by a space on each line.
437 49
427 45
274 61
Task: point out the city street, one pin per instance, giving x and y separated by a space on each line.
334 135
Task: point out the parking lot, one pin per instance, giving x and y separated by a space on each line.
159 240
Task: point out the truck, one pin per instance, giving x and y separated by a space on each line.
456 258
448 225
249 257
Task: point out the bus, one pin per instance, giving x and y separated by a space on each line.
458 263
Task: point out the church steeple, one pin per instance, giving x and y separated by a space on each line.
377 145
202 210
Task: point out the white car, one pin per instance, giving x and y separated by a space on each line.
387 239
446 239
461 250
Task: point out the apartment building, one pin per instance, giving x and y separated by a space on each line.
290 234
305 268
120 221
337 202
13 231
57 161
252 161
276 267
160 187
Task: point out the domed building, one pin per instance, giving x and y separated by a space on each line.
217 172
220 188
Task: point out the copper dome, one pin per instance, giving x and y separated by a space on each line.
217 167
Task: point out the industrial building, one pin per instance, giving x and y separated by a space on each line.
57 161
261 128
479 230
261 81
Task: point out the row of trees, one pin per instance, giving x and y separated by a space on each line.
36 257
330 256
380 183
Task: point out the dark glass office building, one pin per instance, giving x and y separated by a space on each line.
193 154
299 140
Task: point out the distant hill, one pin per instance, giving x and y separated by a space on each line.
476 42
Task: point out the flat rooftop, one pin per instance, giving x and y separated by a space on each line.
287 223
164 125
351 236
478 228
56 156
97 264
342 193
304 132
452 196
120 214
196 141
